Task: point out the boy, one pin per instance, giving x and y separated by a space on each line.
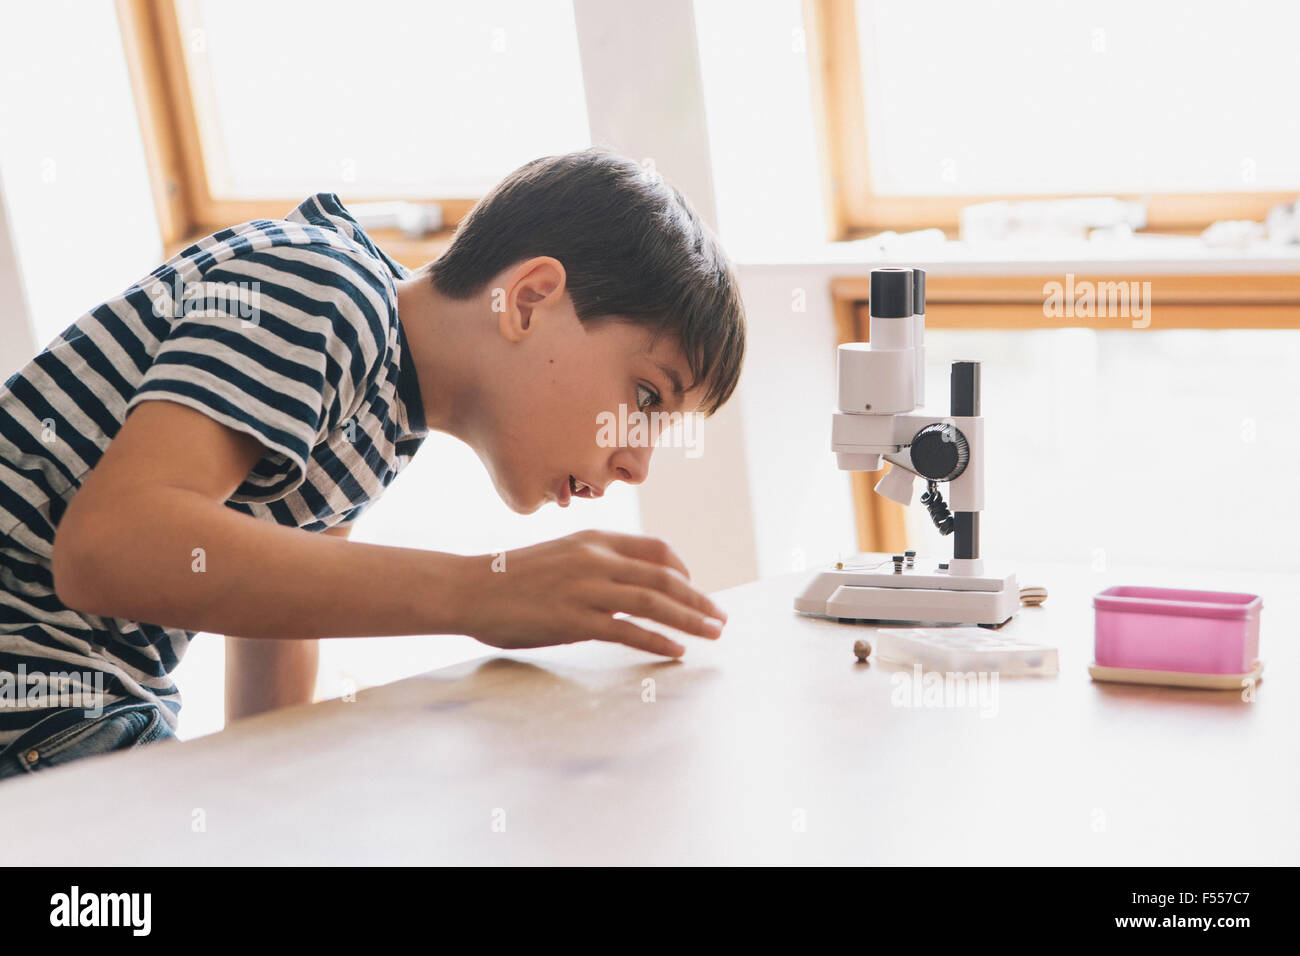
168 457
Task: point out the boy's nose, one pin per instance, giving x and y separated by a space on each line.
632 464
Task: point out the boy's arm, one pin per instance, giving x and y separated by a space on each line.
148 538
268 674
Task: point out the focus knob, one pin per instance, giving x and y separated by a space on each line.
940 452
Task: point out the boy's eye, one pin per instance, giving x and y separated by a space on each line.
646 397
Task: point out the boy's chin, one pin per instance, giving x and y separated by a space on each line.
522 503
520 499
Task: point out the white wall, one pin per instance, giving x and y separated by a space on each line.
645 98
17 343
802 503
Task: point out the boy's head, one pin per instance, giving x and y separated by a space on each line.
603 292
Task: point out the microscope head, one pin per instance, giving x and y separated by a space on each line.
881 378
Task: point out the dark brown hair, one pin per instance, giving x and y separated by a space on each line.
631 245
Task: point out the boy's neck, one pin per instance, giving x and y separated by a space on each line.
440 334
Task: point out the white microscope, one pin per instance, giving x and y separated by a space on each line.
881 388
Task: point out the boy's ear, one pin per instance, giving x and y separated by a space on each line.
530 287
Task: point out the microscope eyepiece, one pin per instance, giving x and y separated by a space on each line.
891 292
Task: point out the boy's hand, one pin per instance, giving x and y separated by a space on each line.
569 589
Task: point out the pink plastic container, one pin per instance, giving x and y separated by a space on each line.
1164 629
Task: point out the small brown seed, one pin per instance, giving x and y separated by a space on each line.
861 650
1033 596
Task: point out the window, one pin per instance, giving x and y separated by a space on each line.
1106 466
1182 106
252 106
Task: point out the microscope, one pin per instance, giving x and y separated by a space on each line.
881 387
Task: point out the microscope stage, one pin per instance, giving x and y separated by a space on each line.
869 589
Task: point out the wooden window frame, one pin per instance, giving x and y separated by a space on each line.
854 209
172 136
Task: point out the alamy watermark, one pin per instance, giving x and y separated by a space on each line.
1085 299
637 429
77 908
179 299
58 689
945 689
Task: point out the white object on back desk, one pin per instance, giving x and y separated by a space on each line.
772 745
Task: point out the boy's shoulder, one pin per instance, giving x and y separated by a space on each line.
326 214
320 223
317 259
327 211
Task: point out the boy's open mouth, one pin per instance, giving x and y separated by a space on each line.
580 489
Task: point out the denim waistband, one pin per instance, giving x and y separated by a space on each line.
66 718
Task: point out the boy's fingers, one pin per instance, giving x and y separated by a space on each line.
661 578
619 631
642 602
643 548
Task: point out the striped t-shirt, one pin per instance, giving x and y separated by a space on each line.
283 329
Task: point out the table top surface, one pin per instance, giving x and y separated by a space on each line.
772 745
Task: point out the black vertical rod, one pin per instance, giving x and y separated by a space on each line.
965 401
965 389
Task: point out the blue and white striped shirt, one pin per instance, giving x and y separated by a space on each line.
286 330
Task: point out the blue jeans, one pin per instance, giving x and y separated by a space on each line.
66 736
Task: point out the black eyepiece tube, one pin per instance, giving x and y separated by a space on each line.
891 292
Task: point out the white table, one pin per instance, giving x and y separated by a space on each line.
771 746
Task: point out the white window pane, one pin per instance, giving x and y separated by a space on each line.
381 98
1145 448
1110 96
71 161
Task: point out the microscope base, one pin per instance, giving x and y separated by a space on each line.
870 590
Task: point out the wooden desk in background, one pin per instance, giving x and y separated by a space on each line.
771 746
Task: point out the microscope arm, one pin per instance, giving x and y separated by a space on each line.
937 448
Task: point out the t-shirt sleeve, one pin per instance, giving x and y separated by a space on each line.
279 343
350 516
